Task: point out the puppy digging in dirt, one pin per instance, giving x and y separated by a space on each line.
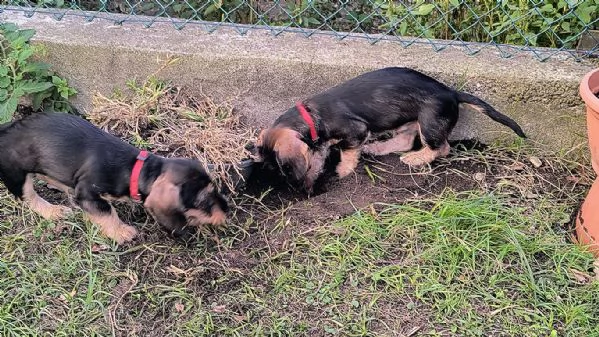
94 167
401 100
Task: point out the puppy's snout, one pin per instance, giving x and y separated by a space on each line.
288 171
221 202
251 147
209 211
198 217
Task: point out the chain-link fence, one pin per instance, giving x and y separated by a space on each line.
565 26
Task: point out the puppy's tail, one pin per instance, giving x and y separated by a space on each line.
482 106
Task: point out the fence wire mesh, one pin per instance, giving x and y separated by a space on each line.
510 26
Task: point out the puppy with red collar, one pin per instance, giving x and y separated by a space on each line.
400 100
95 167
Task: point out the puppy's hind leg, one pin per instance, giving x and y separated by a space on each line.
102 214
40 205
434 127
403 140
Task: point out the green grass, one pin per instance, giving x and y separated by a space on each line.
474 263
50 282
480 265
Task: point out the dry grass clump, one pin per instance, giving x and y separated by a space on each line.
162 118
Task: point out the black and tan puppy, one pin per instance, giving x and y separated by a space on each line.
401 100
96 167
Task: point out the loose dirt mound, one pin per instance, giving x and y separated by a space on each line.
385 180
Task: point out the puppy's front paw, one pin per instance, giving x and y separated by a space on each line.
63 212
218 218
124 233
344 170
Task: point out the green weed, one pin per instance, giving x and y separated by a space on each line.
21 77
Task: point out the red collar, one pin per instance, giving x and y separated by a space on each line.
308 119
134 181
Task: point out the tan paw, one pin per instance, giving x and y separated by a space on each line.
344 170
415 159
122 234
55 212
371 149
218 218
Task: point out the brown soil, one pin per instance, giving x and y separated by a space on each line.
389 181
385 180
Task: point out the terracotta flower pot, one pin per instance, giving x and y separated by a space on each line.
587 221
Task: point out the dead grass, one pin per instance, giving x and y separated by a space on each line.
167 120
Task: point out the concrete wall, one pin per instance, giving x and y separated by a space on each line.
265 74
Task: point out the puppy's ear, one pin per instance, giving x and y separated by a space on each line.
317 162
260 139
164 197
255 149
293 155
191 188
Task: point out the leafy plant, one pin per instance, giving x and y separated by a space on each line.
23 78
554 23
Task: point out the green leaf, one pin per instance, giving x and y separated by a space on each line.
39 97
23 37
11 35
17 91
31 87
584 13
64 94
4 81
8 27
58 81
562 4
3 94
26 34
178 8
24 55
455 3
31 67
313 21
531 38
424 9
547 8
210 9
7 109
3 70
403 27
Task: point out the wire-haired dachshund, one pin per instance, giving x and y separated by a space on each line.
95 167
401 100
